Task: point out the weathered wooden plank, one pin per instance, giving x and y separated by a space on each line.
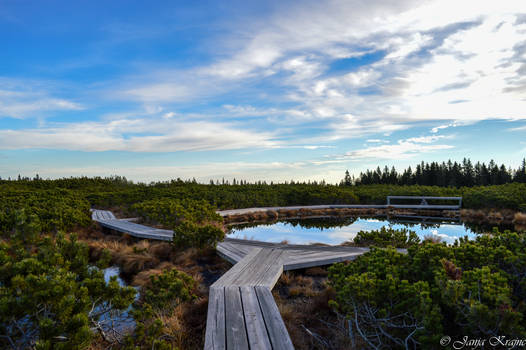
236 333
264 269
231 274
215 336
320 261
279 337
233 250
256 330
227 254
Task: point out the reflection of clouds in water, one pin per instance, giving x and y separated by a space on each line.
349 232
283 231
336 235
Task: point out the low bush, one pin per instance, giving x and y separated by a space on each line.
188 234
51 298
387 236
45 210
160 299
474 287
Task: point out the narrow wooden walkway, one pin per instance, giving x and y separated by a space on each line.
242 313
423 205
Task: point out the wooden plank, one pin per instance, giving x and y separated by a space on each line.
226 279
279 337
255 325
227 254
215 336
265 269
236 333
305 263
234 249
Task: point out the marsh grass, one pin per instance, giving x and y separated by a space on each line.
138 260
519 219
302 298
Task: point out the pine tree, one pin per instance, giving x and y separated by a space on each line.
347 181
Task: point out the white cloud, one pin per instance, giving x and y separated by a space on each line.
376 141
24 99
403 149
137 135
519 128
427 139
443 61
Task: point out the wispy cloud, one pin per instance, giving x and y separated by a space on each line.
151 134
24 99
403 149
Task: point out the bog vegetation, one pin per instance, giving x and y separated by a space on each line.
397 300
53 294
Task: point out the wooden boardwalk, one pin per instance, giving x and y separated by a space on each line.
422 206
242 313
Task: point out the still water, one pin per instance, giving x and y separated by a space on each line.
337 231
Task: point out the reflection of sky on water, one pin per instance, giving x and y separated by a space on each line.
123 321
301 235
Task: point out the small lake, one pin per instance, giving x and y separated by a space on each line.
336 231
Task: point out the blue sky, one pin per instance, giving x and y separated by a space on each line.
272 90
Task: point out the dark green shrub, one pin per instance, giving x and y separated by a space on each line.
473 287
387 236
188 234
169 289
50 298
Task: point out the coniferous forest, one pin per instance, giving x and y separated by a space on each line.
445 174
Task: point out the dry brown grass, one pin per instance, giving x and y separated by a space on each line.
163 250
491 216
132 264
316 271
303 305
495 216
142 279
272 214
296 284
286 278
132 259
519 219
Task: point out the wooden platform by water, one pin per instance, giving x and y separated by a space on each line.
242 313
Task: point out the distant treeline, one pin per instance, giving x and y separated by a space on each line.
445 174
117 192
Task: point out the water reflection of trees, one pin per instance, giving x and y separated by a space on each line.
319 223
339 222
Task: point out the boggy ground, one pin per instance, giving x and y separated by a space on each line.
512 218
140 259
302 296
304 213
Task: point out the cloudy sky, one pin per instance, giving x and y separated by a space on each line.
273 90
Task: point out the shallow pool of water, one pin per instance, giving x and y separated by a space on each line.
122 321
337 231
